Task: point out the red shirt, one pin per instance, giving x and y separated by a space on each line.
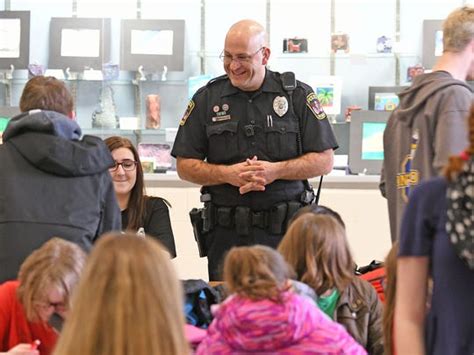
15 328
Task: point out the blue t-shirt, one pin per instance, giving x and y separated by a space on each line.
450 321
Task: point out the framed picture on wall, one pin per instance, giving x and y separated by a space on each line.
14 39
340 42
156 155
384 98
295 45
152 44
366 141
79 43
432 42
328 90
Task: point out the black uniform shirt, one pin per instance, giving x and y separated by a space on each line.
226 125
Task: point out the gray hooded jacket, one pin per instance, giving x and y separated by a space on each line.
428 126
51 184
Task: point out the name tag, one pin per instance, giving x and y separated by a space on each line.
221 118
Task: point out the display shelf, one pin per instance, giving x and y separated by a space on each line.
106 132
341 55
23 81
135 135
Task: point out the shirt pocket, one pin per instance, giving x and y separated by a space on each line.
223 142
282 139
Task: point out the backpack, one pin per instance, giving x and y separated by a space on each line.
375 274
199 297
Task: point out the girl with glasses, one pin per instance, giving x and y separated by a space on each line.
43 291
138 210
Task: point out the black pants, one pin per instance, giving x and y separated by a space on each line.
220 240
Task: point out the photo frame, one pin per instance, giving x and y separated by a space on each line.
67 32
385 101
295 45
328 90
383 92
413 71
152 44
157 155
340 42
432 42
366 141
14 39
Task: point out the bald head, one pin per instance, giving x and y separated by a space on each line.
246 54
248 31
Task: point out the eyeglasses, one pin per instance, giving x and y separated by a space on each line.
127 165
58 306
239 58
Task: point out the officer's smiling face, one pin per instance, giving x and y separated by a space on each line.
244 61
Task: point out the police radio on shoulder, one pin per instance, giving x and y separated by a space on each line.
288 81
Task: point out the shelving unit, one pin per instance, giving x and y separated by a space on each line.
206 22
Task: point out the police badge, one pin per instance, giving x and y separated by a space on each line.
280 105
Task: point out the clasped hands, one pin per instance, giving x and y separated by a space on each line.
253 175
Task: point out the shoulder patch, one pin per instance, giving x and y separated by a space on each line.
315 106
188 111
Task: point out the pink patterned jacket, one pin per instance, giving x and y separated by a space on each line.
295 326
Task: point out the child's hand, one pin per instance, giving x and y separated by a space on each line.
22 349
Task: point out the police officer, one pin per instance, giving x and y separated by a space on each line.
252 141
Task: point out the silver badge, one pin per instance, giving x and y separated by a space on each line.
280 105
225 107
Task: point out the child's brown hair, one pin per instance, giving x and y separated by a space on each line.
256 272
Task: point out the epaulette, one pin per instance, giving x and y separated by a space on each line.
215 80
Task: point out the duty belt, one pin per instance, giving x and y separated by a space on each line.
243 218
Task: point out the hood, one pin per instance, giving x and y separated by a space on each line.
422 88
50 141
264 325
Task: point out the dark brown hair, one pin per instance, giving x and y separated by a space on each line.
456 163
46 93
390 291
316 247
318 209
136 203
256 272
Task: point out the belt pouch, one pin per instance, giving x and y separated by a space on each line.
208 217
242 220
259 219
224 217
277 218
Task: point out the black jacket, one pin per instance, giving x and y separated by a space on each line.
51 184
